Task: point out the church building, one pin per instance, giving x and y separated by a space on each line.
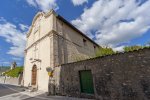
52 41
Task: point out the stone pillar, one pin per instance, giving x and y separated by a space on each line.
55 37
54 24
22 81
53 59
53 50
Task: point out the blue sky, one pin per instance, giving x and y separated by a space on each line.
116 23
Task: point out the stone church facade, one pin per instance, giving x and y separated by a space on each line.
52 41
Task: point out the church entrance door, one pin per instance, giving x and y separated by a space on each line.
34 74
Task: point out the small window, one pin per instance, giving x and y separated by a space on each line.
94 47
84 42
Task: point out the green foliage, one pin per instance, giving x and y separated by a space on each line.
117 52
14 72
109 51
103 51
127 48
79 58
136 47
99 52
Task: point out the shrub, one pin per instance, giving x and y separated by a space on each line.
109 51
14 72
103 51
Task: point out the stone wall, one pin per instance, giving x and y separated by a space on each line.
11 80
50 43
2 79
123 76
71 45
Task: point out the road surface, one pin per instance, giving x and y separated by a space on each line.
11 92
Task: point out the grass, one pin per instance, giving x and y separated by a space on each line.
14 72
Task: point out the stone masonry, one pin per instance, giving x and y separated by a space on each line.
52 41
122 76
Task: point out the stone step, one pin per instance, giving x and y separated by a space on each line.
31 89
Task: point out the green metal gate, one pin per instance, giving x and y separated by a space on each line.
86 82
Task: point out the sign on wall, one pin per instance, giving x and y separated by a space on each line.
48 69
49 73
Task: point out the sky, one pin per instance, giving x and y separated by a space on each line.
115 23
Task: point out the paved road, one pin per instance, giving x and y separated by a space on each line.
6 91
11 92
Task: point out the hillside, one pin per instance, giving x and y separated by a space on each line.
14 72
5 68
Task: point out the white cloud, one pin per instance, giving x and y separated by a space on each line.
6 62
18 63
13 58
119 48
44 5
114 24
14 36
24 27
79 2
2 19
31 2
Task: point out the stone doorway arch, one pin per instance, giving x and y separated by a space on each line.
34 74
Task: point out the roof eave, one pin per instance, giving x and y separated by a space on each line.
73 27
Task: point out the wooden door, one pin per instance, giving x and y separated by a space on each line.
34 74
86 82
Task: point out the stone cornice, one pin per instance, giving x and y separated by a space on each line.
55 34
36 16
40 39
50 34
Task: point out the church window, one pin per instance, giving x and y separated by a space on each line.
84 42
